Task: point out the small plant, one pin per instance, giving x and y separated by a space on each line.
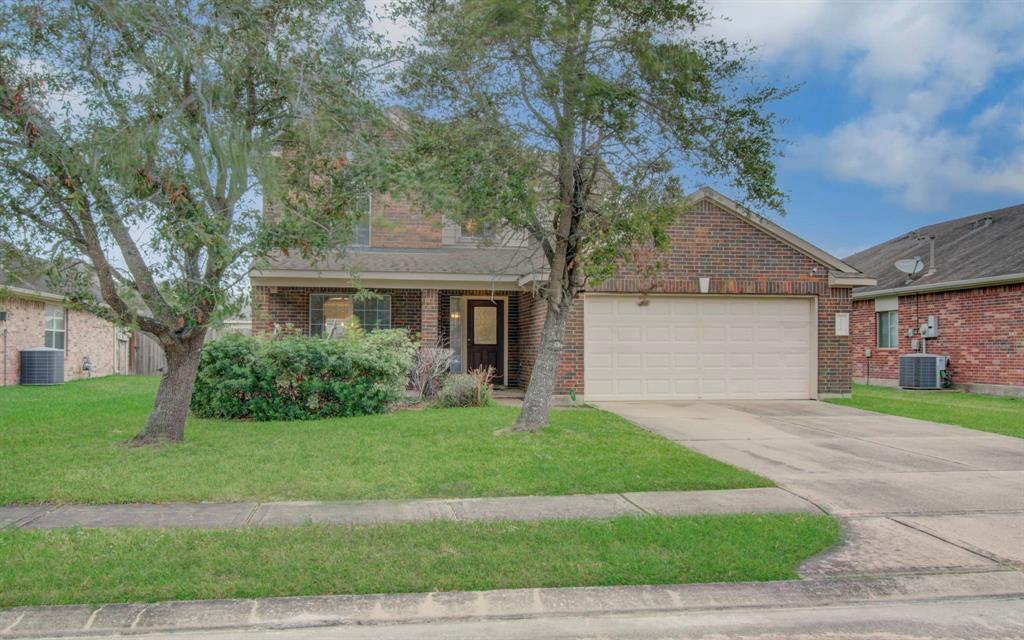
432 361
471 389
482 377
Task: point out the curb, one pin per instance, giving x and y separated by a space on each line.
315 611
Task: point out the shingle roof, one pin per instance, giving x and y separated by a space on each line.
480 261
983 245
19 270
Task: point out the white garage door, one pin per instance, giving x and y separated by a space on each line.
687 348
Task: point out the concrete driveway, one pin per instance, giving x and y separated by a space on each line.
913 496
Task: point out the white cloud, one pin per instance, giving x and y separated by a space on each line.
915 63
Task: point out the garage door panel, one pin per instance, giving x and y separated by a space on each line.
691 348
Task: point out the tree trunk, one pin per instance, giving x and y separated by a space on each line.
537 402
166 423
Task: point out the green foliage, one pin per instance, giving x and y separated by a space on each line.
578 121
171 117
300 378
463 390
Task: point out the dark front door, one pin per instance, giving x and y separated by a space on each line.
485 336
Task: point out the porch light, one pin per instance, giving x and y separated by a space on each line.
455 315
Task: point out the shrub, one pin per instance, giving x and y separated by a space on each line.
471 389
432 361
300 378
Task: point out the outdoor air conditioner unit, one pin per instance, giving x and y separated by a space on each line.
922 371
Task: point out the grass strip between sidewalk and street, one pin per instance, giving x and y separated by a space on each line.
994 414
95 566
66 444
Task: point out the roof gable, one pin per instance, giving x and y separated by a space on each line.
767 226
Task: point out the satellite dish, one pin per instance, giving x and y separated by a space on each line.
910 266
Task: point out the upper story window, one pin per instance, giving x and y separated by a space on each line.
331 315
888 329
55 326
361 228
476 230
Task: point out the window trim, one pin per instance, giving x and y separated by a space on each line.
342 294
893 331
64 319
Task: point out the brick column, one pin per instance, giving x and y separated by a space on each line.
428 317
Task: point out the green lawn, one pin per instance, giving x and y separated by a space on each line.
115 565
971 410
64 444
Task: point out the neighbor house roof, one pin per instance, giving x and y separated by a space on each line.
24 276
977 250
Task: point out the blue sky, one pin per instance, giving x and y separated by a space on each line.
909 112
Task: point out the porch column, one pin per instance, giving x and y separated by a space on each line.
428 316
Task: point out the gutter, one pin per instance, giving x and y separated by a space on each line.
838 280
382 275
29 294
951 285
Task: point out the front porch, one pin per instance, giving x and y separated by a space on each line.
482 326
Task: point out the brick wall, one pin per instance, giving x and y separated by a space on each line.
981 330
739 259
398 224
290 305
87 336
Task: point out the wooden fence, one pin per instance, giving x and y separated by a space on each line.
147 355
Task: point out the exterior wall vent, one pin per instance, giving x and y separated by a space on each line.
40 365
922 371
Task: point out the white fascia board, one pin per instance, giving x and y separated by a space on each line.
842 280
972 283
30 294
284 278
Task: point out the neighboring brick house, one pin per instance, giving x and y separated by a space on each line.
971 279
743 308
35 316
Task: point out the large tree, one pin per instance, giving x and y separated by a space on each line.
137 140
574 120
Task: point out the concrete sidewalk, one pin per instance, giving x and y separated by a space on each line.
211 515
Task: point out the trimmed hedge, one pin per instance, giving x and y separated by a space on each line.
301 378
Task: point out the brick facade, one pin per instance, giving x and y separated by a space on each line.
512 327
87 336
707 241
398 224
739 259
981 330
428 315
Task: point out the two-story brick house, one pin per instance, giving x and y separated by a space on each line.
743 308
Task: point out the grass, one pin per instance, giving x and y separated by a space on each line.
115 565
65 444
974 411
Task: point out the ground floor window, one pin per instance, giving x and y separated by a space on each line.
331 315
55 327
888 329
